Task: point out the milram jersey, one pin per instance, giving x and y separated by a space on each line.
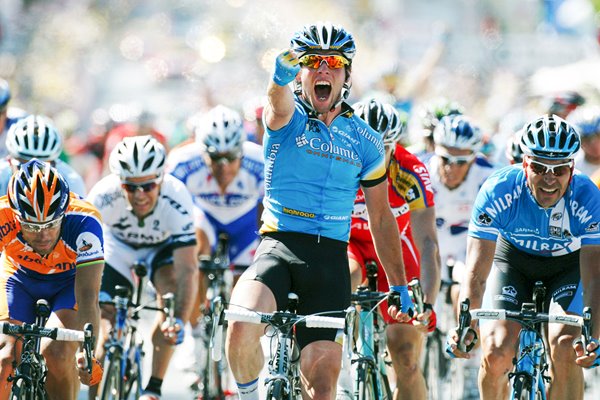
409 188
505 206
80 242
171 218
313 172
235 211
453 207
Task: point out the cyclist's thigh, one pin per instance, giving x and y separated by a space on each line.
320 363
22 290
506 287
565 292
270 267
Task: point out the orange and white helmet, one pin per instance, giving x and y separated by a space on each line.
38 193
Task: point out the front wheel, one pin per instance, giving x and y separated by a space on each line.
276 390
21 390
111 380
521 388
365 385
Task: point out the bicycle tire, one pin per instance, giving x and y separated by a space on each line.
132 386
522 387
21 391
275 390
433 369
365 385
111 380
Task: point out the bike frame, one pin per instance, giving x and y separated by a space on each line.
371 341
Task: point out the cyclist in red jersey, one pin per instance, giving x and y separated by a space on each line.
411 200
52 248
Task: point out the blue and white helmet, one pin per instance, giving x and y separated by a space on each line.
323 36
550 137
459 132
586 120
221 131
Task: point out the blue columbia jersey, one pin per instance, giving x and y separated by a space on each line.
506 206
312 173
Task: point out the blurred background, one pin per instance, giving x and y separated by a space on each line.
89 64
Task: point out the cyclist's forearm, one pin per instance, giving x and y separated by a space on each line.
187 290
590 277
430 270
480 256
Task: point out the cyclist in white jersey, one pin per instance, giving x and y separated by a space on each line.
36 137
224 174
586 120
147 215
457 172
539 221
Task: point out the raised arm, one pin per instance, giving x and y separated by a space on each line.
280 106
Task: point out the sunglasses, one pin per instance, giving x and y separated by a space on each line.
220 157
448 159
540 168
144 187
36 228
314 61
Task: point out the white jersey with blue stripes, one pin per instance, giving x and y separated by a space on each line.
453 207
235 211
505 206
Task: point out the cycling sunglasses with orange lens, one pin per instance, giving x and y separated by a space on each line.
314 61
540 168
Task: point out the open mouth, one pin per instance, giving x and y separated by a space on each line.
322 90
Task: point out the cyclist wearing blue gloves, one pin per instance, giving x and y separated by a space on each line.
317 155
539 221
147 215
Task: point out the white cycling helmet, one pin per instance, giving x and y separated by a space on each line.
550 137
34 137
221 131
137 156
459 132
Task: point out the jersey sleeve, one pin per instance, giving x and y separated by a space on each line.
485 221
586 209
410 179
297 122
89 242
181 220
374 170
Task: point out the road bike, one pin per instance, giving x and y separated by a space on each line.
369 357
213 377
283 380
122 377
529 375
29 376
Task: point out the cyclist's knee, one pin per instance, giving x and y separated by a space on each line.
497 360
59 357
561 350
242 336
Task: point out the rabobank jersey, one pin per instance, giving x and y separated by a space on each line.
505 206
409 188
74 180
171 218
453 207
80 242
313 172
234 211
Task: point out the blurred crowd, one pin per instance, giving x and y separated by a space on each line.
106 69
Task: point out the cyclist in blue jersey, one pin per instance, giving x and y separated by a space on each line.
317 155
535 222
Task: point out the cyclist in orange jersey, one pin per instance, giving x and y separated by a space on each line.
52 248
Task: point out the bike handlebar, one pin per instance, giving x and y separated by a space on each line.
280 318
527 316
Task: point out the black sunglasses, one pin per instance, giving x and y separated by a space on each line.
145 187
229 157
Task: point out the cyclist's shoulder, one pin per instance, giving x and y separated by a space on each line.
81 208
504 178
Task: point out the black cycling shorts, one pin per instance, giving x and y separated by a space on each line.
314 268
515 273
